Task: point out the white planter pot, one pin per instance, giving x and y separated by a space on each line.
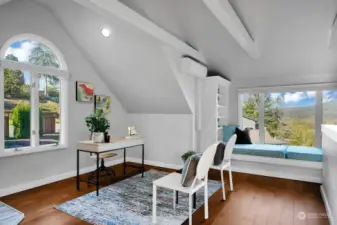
98 137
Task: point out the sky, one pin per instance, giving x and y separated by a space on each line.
22 50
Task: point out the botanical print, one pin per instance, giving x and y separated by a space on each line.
102 103
84 91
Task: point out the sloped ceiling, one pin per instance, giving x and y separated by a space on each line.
292 36
130 62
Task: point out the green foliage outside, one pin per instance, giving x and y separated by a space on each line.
281 124
21 120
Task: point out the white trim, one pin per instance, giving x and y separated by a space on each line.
34 110
52 179
330 131
228 18
37 38
112 8
31 150
156 163
261 119
48 180
276 161
32 68
327 205
278 174
289 88
2 108
318 118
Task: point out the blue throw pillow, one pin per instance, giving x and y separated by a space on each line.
228 132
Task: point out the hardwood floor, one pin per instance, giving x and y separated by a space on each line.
257 200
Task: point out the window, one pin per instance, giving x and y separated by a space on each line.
34 91
289 117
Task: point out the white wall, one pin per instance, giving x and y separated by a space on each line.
27 17
330 169
167 137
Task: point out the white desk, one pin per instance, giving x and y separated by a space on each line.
98 148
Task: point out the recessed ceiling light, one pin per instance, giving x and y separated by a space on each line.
106 32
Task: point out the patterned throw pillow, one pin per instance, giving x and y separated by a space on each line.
189 170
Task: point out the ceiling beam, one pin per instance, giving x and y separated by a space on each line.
2 2
228 18
332 32
113 7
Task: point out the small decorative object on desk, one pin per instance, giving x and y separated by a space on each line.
98 126
132 133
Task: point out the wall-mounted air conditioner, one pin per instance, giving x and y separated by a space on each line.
193 68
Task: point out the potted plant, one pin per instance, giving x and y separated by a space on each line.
98 125
188 154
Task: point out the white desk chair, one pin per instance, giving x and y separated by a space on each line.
173 182
226 164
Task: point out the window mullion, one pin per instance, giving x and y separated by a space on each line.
2 110
34 113
318 118
261 118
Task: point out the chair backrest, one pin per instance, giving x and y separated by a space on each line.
206 161
230 147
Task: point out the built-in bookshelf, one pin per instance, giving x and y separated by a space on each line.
215 91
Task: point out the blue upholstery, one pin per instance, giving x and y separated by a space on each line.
274 151
228 132
304 153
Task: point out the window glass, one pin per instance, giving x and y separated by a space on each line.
250 115
290 118
33 52
330 107
17 109
49 105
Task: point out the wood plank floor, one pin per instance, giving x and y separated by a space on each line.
257 200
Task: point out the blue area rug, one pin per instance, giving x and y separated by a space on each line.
129 202
9 215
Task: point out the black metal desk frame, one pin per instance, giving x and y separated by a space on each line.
78 179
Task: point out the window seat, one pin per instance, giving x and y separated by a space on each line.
303 153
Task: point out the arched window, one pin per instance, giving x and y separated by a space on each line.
33 87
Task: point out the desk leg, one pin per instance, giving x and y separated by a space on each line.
97 174
78 170
124 162
143 168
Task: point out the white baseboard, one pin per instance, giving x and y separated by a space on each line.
278 174
155 163
52 179
48 180
327 205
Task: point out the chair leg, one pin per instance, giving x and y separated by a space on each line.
174 199
223 186
206 200
190 209
154 204
230 177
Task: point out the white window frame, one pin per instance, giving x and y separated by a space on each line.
62 74
319 88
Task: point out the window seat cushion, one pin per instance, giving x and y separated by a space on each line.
265 150
304 153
